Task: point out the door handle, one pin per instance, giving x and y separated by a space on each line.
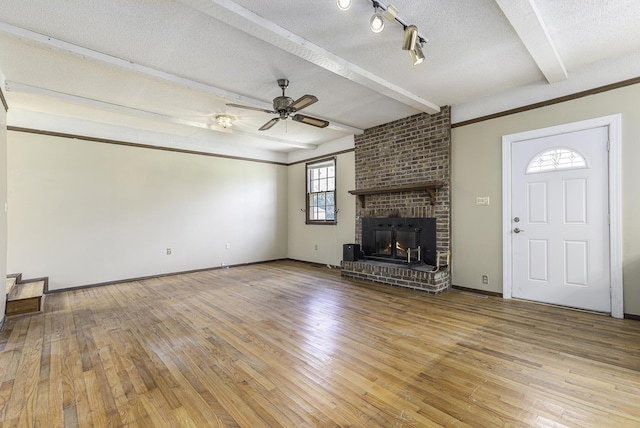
517 230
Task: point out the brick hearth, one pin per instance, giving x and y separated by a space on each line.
394 274
408 151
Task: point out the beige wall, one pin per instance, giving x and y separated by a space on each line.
85 213
3 213
304 238
476 171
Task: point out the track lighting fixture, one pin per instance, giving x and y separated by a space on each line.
377 20
416 54
412 41
410 38
344 4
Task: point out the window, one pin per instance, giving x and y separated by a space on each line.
321 192
554 159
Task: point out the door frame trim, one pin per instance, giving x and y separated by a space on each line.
614 124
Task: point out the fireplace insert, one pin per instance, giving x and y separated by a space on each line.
401 240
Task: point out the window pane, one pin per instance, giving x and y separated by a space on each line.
330 212
556 159
321 184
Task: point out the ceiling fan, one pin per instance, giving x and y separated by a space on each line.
284 107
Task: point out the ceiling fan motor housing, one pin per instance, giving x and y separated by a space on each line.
281 104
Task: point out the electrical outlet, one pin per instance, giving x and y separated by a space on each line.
227 246
168 251
485 279
482 200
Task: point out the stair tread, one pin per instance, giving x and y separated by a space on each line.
11 282
27 290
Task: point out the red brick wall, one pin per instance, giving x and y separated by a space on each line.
411 150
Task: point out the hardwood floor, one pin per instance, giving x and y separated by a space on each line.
291 344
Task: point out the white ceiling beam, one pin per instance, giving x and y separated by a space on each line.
89 102
245 20
23 34
526 20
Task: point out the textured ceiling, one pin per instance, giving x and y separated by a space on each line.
171 66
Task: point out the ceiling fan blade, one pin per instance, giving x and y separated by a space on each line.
303 101
310 120
252 108
269 124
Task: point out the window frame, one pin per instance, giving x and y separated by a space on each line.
308 193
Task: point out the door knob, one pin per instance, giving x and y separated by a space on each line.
518 230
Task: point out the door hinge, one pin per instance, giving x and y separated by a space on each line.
608 146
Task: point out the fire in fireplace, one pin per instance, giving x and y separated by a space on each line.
402 240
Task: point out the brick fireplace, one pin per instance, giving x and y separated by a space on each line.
402 170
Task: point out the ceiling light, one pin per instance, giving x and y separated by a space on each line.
224 121
410 38
416 54
377 20
344 4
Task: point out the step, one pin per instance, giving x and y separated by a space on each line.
25 297
11 282
27 290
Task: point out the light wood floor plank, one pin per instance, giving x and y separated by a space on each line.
296 345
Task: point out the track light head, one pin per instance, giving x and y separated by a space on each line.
416 54
377 20
410 38
344 4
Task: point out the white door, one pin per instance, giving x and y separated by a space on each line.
559 224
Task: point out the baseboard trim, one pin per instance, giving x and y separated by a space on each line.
632 317
474 290
161 275
315 264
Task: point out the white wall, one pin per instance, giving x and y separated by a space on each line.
303 238
85 213
476 171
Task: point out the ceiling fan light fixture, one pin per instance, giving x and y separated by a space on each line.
224 121
344 4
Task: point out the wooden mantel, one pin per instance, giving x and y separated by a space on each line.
430 187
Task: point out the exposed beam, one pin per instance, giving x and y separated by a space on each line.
152 72
88 102
244 20
526 20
